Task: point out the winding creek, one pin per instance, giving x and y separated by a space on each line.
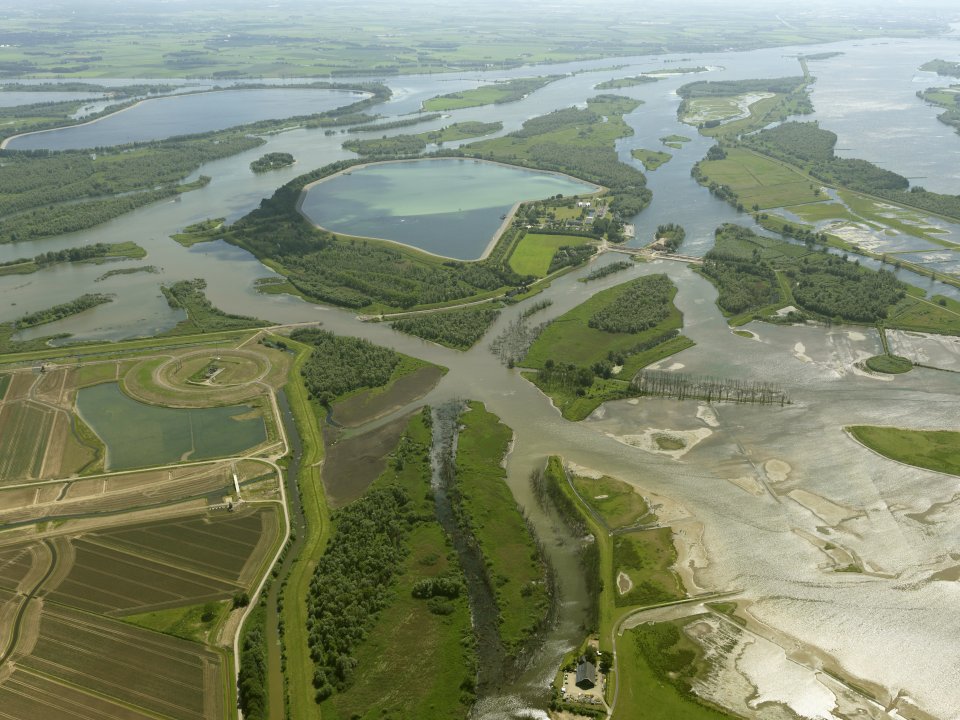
761 482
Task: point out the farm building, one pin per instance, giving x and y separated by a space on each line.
586 675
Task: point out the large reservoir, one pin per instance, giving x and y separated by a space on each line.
449 207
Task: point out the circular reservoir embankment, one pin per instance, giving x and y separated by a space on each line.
451 207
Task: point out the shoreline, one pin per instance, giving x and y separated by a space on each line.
504 225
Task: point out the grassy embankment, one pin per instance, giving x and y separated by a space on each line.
649 675
298 673
496 93
571 341
402 145
931 449
651 159
430 639
516 572
757 276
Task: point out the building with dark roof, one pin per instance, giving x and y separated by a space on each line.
586 675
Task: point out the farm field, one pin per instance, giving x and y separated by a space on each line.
125 666
166 564
533 254
25 429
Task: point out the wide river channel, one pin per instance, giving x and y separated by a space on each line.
760 481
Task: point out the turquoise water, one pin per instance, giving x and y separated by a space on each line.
139 435
447 207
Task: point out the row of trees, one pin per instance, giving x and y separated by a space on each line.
571 255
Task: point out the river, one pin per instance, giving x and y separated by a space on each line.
886 625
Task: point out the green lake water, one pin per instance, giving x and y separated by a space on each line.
448 207
139 435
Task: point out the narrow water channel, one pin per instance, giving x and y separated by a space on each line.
483 607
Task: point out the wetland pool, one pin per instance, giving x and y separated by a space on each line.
448 207
139 435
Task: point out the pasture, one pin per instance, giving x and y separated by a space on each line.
533 254
760 181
